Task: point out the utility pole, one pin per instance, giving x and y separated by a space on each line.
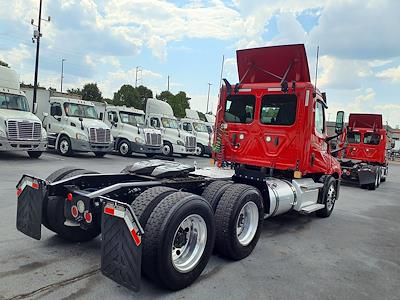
37 35
136 77
62 72
168 84
208 97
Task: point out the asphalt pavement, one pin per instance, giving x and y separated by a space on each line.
354 254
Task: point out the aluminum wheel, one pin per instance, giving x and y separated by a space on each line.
247 223
331 197
189 243
166 149
124 148
198 151
64 146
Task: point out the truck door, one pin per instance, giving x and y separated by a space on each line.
320 159
53 123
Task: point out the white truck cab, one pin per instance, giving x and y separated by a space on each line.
128 127
19 128
73 126
159 115
200 130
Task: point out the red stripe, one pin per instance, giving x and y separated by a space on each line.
109 211
19 191
135 237
35 185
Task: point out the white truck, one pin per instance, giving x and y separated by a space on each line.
195 126
210 122
128 127
73 126
159 115
19 128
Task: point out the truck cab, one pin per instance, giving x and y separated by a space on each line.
363 159
20 130
128 127
159 115
73 126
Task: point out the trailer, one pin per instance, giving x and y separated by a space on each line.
364 158
164 219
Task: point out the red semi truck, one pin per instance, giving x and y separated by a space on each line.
363 159
164 219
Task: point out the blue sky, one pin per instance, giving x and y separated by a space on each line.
103 41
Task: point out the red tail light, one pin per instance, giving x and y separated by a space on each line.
74 211
69 197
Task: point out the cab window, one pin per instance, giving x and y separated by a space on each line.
187 126
371 138
319 118
112 115
240 109
278 109
353 137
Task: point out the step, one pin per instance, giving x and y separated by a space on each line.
311 208
312 186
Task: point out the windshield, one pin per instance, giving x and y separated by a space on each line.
200 127
169 123
131 118
14 102
80 110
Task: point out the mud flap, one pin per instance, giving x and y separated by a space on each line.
30 192
366 176
121 247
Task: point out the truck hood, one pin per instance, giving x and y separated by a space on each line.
184 134
257 65
7 114
88 123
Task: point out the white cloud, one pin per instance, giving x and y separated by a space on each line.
16 56
89 61
392 74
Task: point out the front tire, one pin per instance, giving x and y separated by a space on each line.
179 240
167 149
200 150
34 154
238 220
328 197
64 146
124 148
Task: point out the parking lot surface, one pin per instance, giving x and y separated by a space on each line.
354 254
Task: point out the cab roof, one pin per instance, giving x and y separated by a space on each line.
373 121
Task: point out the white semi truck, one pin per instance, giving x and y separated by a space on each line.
128 127
73 126
159 115
19 128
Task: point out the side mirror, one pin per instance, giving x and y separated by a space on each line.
80 119
339 122
101 116
115 119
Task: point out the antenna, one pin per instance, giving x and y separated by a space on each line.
316 70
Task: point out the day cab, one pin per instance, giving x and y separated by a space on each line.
73 126
20 130
128 127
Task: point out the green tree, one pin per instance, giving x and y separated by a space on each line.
165 96
91 92
144 92
4 64
179 103
76 91
129 96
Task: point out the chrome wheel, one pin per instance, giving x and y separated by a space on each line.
331 197
124 148
198 151
64 146
166 150
247 223
189 243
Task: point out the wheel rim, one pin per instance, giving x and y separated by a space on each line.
198 151
124 148
64 146
331 197
189 242
247 223
166 150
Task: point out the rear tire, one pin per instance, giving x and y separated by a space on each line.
238 220
214 191
374 185
166 234
328 197
34 154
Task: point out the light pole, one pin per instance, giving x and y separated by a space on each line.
37 35
168 84
208 97
62 72
136 77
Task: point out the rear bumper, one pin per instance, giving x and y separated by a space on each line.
365 175
85 146
7 145
145 149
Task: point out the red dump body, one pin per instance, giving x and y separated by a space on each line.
266 126
366 138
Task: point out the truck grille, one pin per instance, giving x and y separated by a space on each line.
153 139
100 135
190 142
24 130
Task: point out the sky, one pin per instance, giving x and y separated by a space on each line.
104 41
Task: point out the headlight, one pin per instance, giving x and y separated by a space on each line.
44 134
139 140
82 137
2 133
180 143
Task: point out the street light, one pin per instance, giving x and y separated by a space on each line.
62 72
208 97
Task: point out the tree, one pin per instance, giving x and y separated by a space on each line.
73 91
165 96
129 96
144 92
91 92
4 64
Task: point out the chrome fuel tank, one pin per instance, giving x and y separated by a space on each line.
282 195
